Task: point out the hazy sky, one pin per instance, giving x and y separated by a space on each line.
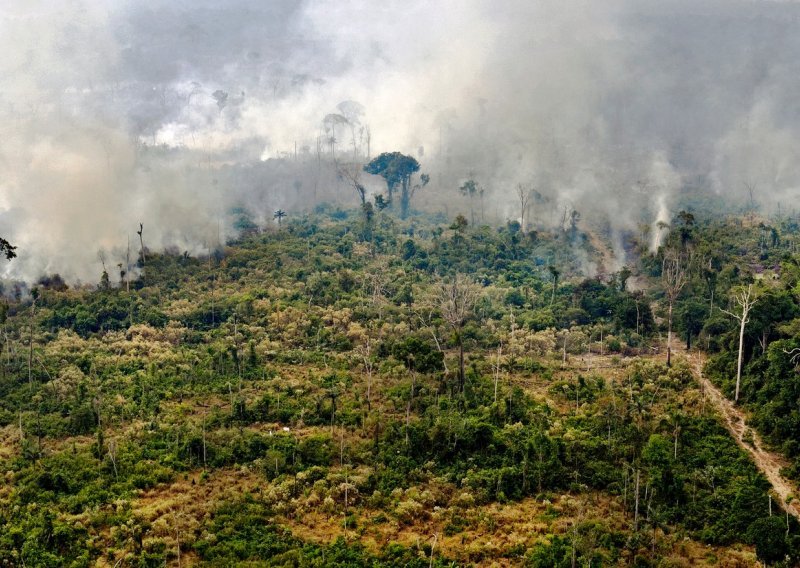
628 100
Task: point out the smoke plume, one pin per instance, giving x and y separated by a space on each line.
176 113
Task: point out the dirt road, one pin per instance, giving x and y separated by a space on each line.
769 463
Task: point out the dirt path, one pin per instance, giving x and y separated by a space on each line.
769 463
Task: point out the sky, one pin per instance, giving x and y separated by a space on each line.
172 113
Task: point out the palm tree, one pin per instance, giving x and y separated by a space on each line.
555 273
279 215
470 189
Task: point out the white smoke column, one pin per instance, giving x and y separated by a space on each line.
665 182
660 227
618 248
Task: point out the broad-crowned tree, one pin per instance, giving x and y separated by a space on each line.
397 169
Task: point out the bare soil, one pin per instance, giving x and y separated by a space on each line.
769 463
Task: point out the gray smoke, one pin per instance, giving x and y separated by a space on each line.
172 113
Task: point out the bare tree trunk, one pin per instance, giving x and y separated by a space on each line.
636 506
141 242
433 546
128 267
369 387
669 337
746 300
112 455
30 344
524 195
677 431
625 494
457 300
236 350
673 274
497 372
178 544
743 322
410 402
204 441
601 340
461 381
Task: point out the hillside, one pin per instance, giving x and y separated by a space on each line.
297 398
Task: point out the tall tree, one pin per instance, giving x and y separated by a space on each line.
555 273
691 317
329 123
673 278
397 169
352 111
141 242
279 215
524 194
686 221
745 299
470 188
457 299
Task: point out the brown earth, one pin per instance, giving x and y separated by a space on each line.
769 463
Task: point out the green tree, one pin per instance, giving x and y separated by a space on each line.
691 317
397 169
769 537
774 307
418 355
686 220
555 273
7 249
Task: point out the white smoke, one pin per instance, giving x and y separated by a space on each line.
664 182
171 113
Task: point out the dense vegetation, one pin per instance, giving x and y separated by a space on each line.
357 390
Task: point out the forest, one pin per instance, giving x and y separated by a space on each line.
348 387
344 283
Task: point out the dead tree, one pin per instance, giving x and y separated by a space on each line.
745 299
364 351
32 314
496 369
457 300
673 278
141 242
128 267
524 194
351 173
794 356
752 189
